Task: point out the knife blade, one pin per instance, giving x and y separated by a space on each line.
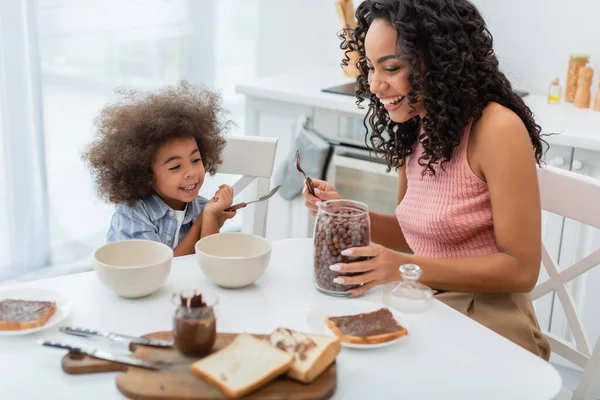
117 337
104 355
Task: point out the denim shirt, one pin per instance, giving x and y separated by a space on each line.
152 219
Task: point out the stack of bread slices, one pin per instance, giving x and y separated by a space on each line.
249 363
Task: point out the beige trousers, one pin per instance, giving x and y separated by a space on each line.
508 314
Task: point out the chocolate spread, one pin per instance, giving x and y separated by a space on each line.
368 324
194 327
24 310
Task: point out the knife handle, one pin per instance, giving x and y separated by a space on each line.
82 330
58 345
236 207
76 330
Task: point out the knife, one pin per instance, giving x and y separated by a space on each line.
104 355
117 337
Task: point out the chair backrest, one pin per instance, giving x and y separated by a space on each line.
252 157
576 197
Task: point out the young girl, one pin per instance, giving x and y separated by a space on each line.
150 156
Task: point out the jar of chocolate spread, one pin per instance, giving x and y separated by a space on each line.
339 225
194 322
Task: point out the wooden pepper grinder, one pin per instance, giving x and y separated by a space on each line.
597 102
584 83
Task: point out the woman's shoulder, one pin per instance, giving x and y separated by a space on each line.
498 119
499 135
498 126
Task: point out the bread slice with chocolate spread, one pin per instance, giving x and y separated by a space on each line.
313 354
18 314
373 327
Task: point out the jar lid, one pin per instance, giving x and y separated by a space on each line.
408 295
194 299
576 56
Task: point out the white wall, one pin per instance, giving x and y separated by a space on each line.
533 38
297 34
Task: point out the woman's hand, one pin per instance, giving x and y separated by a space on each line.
323 191
381 268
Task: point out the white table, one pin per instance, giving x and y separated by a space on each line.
446 356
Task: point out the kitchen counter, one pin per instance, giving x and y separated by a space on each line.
578 128
274 105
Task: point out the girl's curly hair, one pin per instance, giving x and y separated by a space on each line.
130 131
460 78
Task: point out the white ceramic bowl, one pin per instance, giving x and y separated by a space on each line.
233 259
133 268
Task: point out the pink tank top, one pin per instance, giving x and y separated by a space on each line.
448 215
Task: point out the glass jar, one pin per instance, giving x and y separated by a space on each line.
408 295
194 322
340 224
576 62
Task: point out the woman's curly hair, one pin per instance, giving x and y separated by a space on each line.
461 77
130 132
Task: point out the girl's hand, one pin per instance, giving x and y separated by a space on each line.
221 201
224 216
380 268
323 191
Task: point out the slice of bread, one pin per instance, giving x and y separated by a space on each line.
18 314
367 328
245 365
313 354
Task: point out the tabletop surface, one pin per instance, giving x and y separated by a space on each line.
446 355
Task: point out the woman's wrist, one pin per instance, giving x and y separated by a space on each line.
393 268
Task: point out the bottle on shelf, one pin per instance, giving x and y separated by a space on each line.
576 62
554 92
583 94
597 101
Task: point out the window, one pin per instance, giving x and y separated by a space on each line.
87 48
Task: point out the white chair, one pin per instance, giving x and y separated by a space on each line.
252 157
576 197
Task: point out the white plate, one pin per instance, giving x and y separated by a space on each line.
316 318
63 307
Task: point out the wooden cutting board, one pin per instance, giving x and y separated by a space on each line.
177 382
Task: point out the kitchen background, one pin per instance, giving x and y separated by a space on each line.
533 38
61 59
87 48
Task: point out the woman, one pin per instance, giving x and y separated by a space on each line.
465 147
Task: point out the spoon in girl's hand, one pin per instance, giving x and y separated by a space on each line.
262 198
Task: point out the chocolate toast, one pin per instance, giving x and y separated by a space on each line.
367 328
24 314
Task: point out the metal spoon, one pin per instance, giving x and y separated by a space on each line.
263 198
309 183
